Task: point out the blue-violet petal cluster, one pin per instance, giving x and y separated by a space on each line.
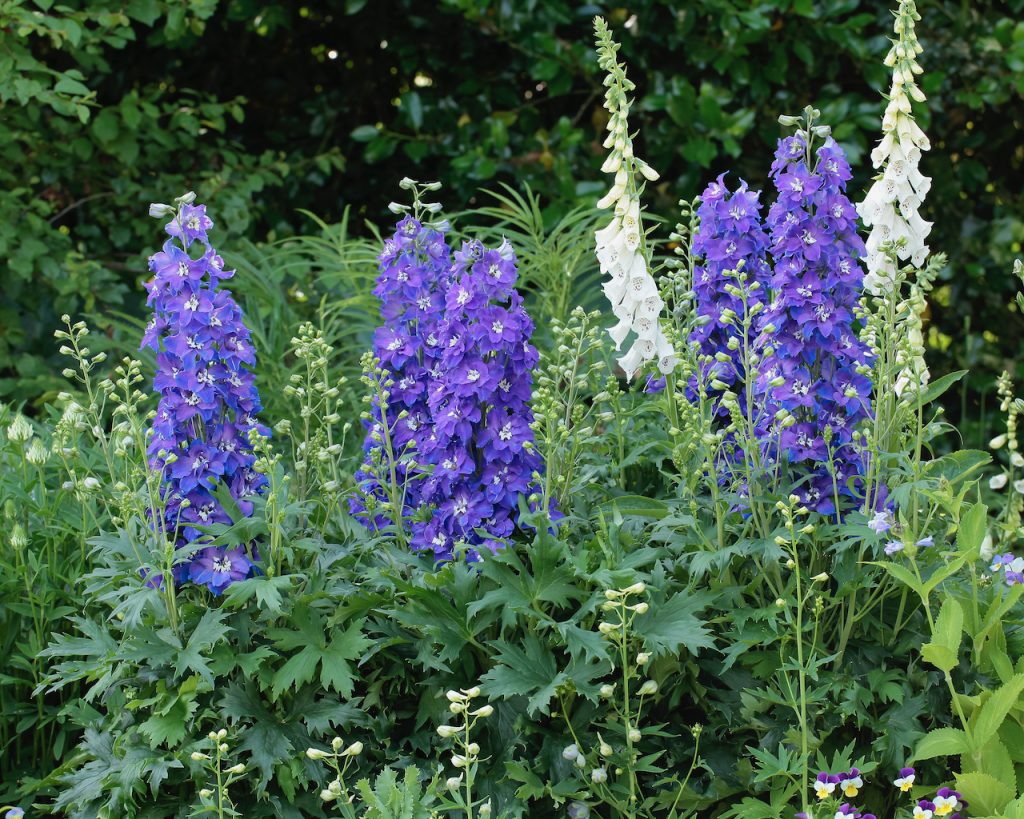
414 270
208 398
816 284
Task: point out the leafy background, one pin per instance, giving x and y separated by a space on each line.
271 108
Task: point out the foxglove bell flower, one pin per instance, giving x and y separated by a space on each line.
621 247
891 207
208 398
816 369
479 402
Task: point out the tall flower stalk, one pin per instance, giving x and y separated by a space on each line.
481 447
817 371
415 270
897 292
730 240
449 443
208 397
622 250
891 206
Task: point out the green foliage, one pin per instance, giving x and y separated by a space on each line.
256 106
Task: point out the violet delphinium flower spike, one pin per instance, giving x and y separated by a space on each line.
208 398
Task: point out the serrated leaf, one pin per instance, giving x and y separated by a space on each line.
939 656
985 794
336 670
942 742
673 624
949 626
299 669
972 531
995 710
529 671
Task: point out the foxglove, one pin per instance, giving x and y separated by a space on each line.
891 207
621 246
208 398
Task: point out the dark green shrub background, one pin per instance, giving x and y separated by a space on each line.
267 108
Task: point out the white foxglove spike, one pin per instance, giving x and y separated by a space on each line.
630 288
890 208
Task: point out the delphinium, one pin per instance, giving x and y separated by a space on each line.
622 250
208 400
415 270
729 243
730 273
481 445
817 370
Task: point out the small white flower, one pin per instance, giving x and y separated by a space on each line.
997 481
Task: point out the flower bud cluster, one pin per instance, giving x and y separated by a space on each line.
466 754
221 774
338 759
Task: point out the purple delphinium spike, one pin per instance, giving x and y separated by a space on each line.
730 237
208 398
817 282
479 399
414 274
